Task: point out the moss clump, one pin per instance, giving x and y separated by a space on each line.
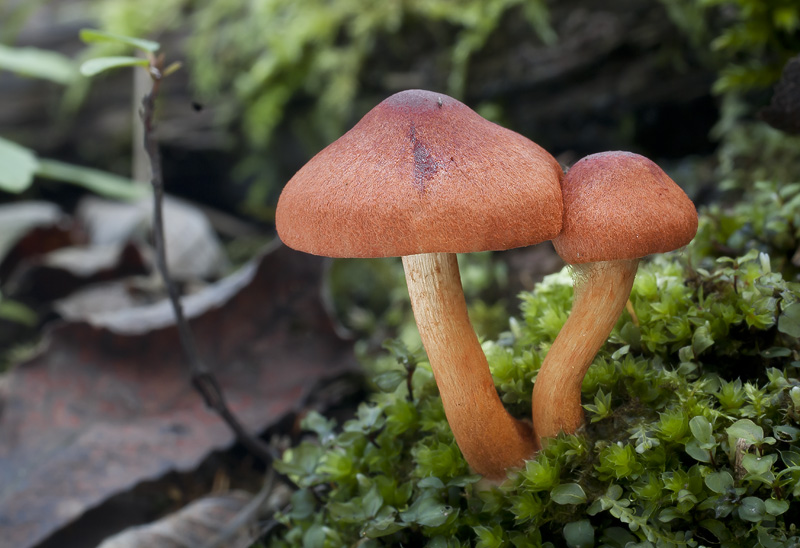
692 433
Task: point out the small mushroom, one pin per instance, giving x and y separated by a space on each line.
424 177
618 207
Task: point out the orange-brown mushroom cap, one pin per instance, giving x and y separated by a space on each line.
620 205
422 173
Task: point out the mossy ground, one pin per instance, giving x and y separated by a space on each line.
692 433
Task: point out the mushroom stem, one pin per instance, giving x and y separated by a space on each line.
601 291
490 439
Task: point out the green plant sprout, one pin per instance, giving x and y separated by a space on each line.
21 165
96 65
693 419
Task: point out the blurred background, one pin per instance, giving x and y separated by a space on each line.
266 84
706 88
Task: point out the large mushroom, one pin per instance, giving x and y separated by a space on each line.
424 177
618 207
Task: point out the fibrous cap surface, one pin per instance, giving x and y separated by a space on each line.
422 173
620 205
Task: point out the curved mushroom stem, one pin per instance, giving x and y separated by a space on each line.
601 291
490 439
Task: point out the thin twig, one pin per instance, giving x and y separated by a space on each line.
202 378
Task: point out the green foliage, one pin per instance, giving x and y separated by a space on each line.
692 435
252 59
750 150
318 48
38 63
90 36
747 42
759 37
21 166
95 66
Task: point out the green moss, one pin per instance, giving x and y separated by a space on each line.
692 435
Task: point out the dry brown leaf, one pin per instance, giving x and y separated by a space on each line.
194 526
103 409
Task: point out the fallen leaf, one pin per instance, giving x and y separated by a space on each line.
194 525
28 229
18 218
193 249
100 411
44 278
139 319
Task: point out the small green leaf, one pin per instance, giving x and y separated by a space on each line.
776 352
19 166
431 482
382 526
300 461
601 408
101 182
786 433
789 320
347 512
758 466
427 511
388 381
685 354
372 502
668 514
776 507
701 430
369 418
89 36
752 509
97 65
490 538
315 535
790 458
462 481
701 340
620 352
719 482
694 450
614 492
631 335
747 430
540 474
766 540
568 493
316 422
579 534
38 63
304 504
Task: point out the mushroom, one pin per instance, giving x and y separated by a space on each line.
424 177
618 207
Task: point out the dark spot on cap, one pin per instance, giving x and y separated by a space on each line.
425 164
